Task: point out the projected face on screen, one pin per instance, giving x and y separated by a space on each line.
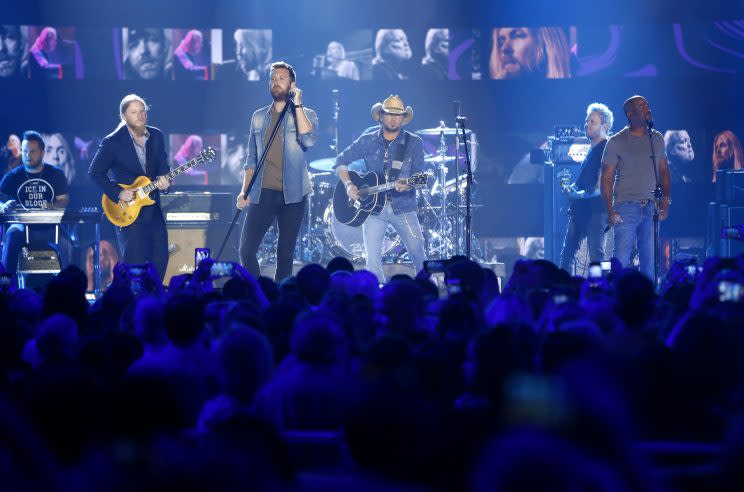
392 52
519 52
47 40
191 56
679 146
436 46
234 156
727 153
11 48
680 155
185 147
252 51
57 153
144 53
394 45
193 42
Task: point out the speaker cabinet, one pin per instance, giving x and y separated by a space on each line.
729 216
555 212
183 238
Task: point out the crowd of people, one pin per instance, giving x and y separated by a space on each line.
550 383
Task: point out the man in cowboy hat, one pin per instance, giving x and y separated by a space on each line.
395 154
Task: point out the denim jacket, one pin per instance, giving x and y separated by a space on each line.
371 147
295 179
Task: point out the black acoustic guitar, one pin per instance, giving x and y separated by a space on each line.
371 197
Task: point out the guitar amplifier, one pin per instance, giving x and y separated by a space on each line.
729 187
729 216
201 206
555 207
184 237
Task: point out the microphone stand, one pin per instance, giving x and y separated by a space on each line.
460 123
456 223
336 109
257 170
657 201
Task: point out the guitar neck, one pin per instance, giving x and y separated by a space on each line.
171 175
386 186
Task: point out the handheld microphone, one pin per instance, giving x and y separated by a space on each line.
650 124
290 95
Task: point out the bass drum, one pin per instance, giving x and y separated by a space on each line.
345 240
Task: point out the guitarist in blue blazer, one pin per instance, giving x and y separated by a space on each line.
395 154
135 149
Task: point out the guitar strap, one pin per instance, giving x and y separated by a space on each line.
392 172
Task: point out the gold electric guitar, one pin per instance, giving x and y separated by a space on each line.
122 213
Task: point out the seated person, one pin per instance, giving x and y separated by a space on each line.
32 186
186 55
40 53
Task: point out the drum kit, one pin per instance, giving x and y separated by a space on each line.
441 211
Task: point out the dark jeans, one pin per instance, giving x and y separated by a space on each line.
583 225
258 218
145 240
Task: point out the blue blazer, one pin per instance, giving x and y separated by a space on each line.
117 155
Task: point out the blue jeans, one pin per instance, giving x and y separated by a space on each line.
408 228
584 225
637 227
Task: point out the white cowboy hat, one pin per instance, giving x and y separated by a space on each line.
392 105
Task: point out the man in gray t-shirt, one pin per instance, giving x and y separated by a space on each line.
628 183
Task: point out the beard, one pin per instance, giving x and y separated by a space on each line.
34 164
279 94
8 65
391 128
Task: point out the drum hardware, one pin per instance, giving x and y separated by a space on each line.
348 241
440 130
443 205
438 159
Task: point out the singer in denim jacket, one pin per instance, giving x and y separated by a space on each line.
371 147
295 177
282 184
380 150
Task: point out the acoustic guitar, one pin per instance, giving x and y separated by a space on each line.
123 213
372 198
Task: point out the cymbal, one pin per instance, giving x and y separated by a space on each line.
437 159
451 184
326 165
323 164
439 130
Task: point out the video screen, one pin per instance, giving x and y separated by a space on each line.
143 53
234 147
711 47
241 54
344 56
531 52
53 53
465 54
186 147
410 54
191 54
14 55
382 54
